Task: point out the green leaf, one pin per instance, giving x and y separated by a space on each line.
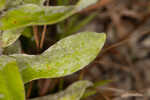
28 32
93 90
65 57
12 49
11 85
10 36
101 83
31 14
2 4
89 92
73 92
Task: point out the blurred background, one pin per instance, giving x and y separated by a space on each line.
125 58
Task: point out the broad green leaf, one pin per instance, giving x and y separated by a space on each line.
28 32
10 36
11 85
32 14
73 92
65 57
12 49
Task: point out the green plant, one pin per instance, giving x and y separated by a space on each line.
63 58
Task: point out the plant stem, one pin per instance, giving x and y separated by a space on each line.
44 31
36 37
43 36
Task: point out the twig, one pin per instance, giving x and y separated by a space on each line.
43 36
44 30
29 89
36 37
116 45
123 93
45 87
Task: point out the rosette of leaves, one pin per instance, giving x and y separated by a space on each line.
20 14
63 58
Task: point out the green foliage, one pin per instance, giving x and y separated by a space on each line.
15 48
63 58
11 85
73 92
93 90
32 14
27 32
101 83
10 36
